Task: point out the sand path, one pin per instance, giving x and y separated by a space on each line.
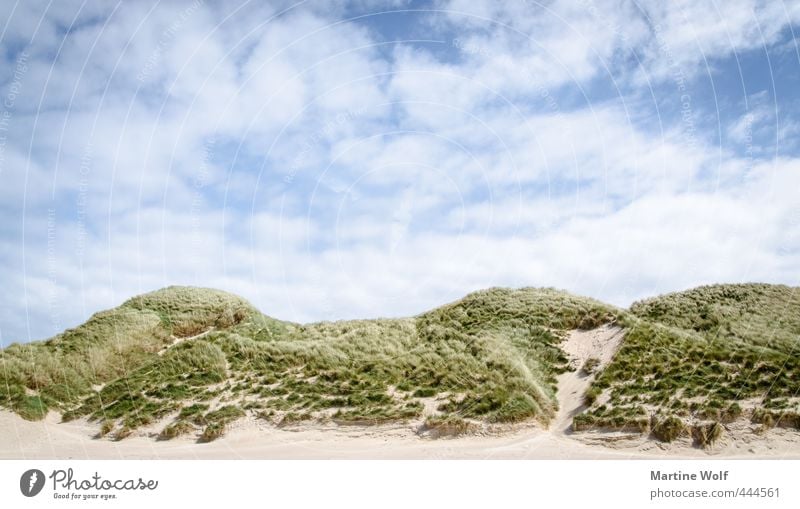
600 344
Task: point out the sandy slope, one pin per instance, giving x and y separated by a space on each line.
251 439
601 344
254 439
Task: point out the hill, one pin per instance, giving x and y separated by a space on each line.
192 360
706 357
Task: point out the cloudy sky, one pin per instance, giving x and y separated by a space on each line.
359 159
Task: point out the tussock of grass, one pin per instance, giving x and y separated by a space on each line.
668 428
780 419
291 418
425 392
123 433
447 426
194 413
176 429
212 432
628 419
591 396
106 427
224 415
706 435
31 408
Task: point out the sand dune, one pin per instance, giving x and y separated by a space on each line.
251 438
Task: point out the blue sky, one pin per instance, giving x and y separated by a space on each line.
358 159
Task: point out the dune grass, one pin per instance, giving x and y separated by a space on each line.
757 314
698 355
113 345
198 359
492 356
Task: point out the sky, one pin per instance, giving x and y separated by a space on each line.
333 160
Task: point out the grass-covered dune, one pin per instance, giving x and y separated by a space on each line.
192 360
205 357
694 361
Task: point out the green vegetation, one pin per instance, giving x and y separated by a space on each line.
630 419
770 419
111 345
176 429
217 421
754 313
31 408
698 355
591 396
199 359
500 349
203 357
668 428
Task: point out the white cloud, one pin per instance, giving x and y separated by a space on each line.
301 162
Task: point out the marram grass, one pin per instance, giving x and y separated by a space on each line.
199 359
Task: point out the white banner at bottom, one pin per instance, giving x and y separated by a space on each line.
399 484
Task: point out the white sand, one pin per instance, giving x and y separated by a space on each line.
254 439
601 344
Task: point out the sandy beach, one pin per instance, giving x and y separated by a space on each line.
254 439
